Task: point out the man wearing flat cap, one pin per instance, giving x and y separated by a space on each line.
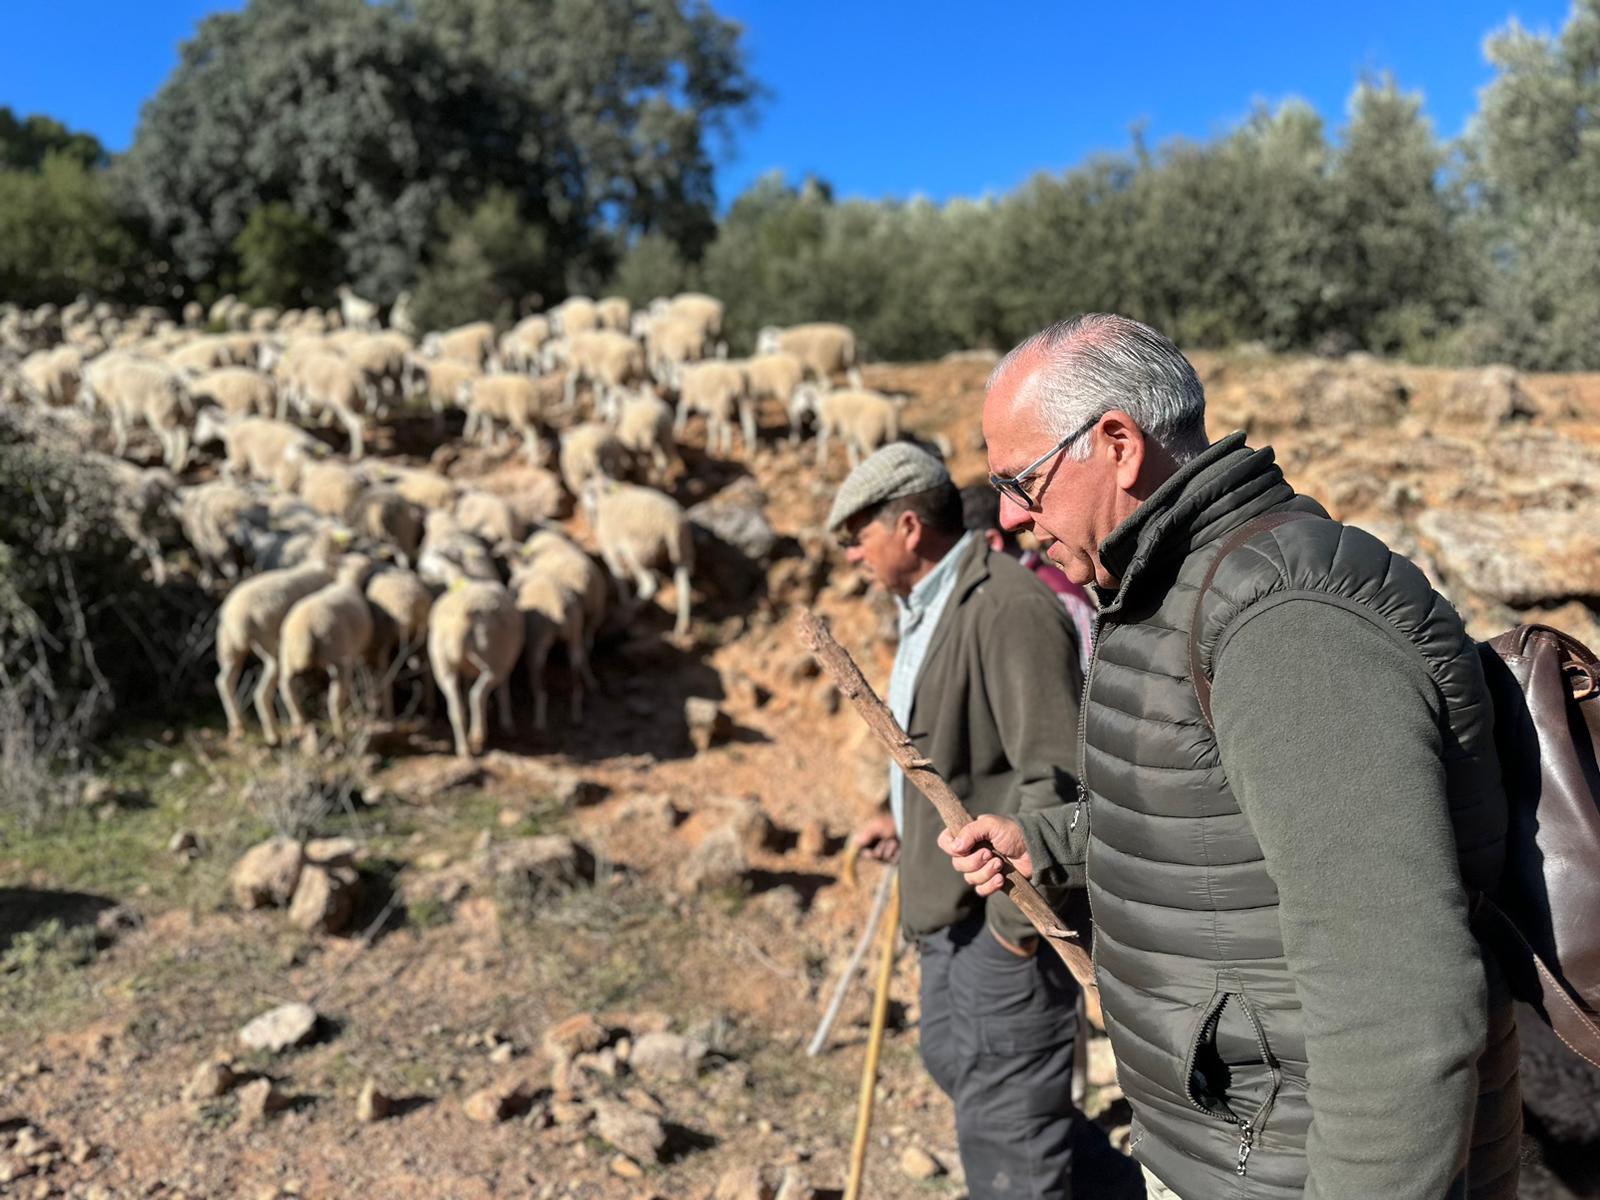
986 681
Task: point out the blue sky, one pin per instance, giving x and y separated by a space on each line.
929 97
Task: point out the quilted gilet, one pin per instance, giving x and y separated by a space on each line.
1189 955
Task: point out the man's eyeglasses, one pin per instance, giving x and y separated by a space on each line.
1016 486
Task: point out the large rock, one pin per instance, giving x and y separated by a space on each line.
544 863
733 541
285 1026
258 1100
1491 396
325 898
717 862
667 1056
578 1034
747 1182
1531 557
499 1101
637 1134
706 722
267 874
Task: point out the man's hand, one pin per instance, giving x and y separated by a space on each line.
878 839
976 850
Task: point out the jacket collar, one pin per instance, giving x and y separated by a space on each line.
1204 500
970 576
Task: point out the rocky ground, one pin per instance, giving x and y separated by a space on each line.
587 965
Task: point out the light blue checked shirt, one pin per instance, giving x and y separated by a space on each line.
919 617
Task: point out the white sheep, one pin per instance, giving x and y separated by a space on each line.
589 451
472 343
720 391
637 528
442 378
474 632
696 308
425 488
250 621
400 602
490 518
558 557
613 312
331 488
328 630
139 391
214 517
238 391
645 427
574 315
608 361
671 344
515 400
383 515
549 613
774 377
823 348
52 377
400 315
448 551
865 420
521 345
330 384
259 447
356 312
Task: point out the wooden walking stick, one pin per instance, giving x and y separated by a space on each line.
869 1070
847 677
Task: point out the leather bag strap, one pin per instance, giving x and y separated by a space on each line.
1535 983
1241 535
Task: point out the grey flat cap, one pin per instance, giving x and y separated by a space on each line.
898 469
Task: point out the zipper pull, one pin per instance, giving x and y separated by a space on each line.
1246 1141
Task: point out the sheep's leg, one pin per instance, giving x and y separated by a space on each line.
282 404
450 684
680 583
468 429
569 390
478 708
822 445
852 447
578 659
231 666
180 443
538 656
747 426
681 419
502 695
265 687
854 375
297 719
340 688
352 424
119 432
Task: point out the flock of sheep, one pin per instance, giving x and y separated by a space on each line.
331 565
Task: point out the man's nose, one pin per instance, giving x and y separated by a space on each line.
852 555
1012 515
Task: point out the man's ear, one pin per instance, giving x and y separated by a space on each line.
1125 443
910 527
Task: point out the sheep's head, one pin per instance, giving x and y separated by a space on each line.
767 340
210 425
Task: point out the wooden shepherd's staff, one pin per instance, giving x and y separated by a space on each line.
847 677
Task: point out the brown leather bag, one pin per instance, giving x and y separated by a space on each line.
1543 922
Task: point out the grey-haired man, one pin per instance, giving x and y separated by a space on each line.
985 680
1280 877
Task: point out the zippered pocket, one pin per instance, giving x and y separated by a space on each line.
1206 1078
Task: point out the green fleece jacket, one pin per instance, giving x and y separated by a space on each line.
1316 752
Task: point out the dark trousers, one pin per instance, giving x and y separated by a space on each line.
997 1035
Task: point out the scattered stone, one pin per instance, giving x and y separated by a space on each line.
438 779
259 1099
917 1163
717 862
707 723
638 1135
663 1056
185 843
744 1183
570 1112
794 1185
111 923
813 839
81 1151
371 1104
325 897
499 1101
267 874
1102 1063
30 1143
285 1026
578 1034
545 863
651 812
624 1166
502 1054
210 1080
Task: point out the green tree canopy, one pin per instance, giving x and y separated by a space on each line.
60 236
285 259
25 141
367 117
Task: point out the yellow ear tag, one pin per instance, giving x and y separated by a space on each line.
458 584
